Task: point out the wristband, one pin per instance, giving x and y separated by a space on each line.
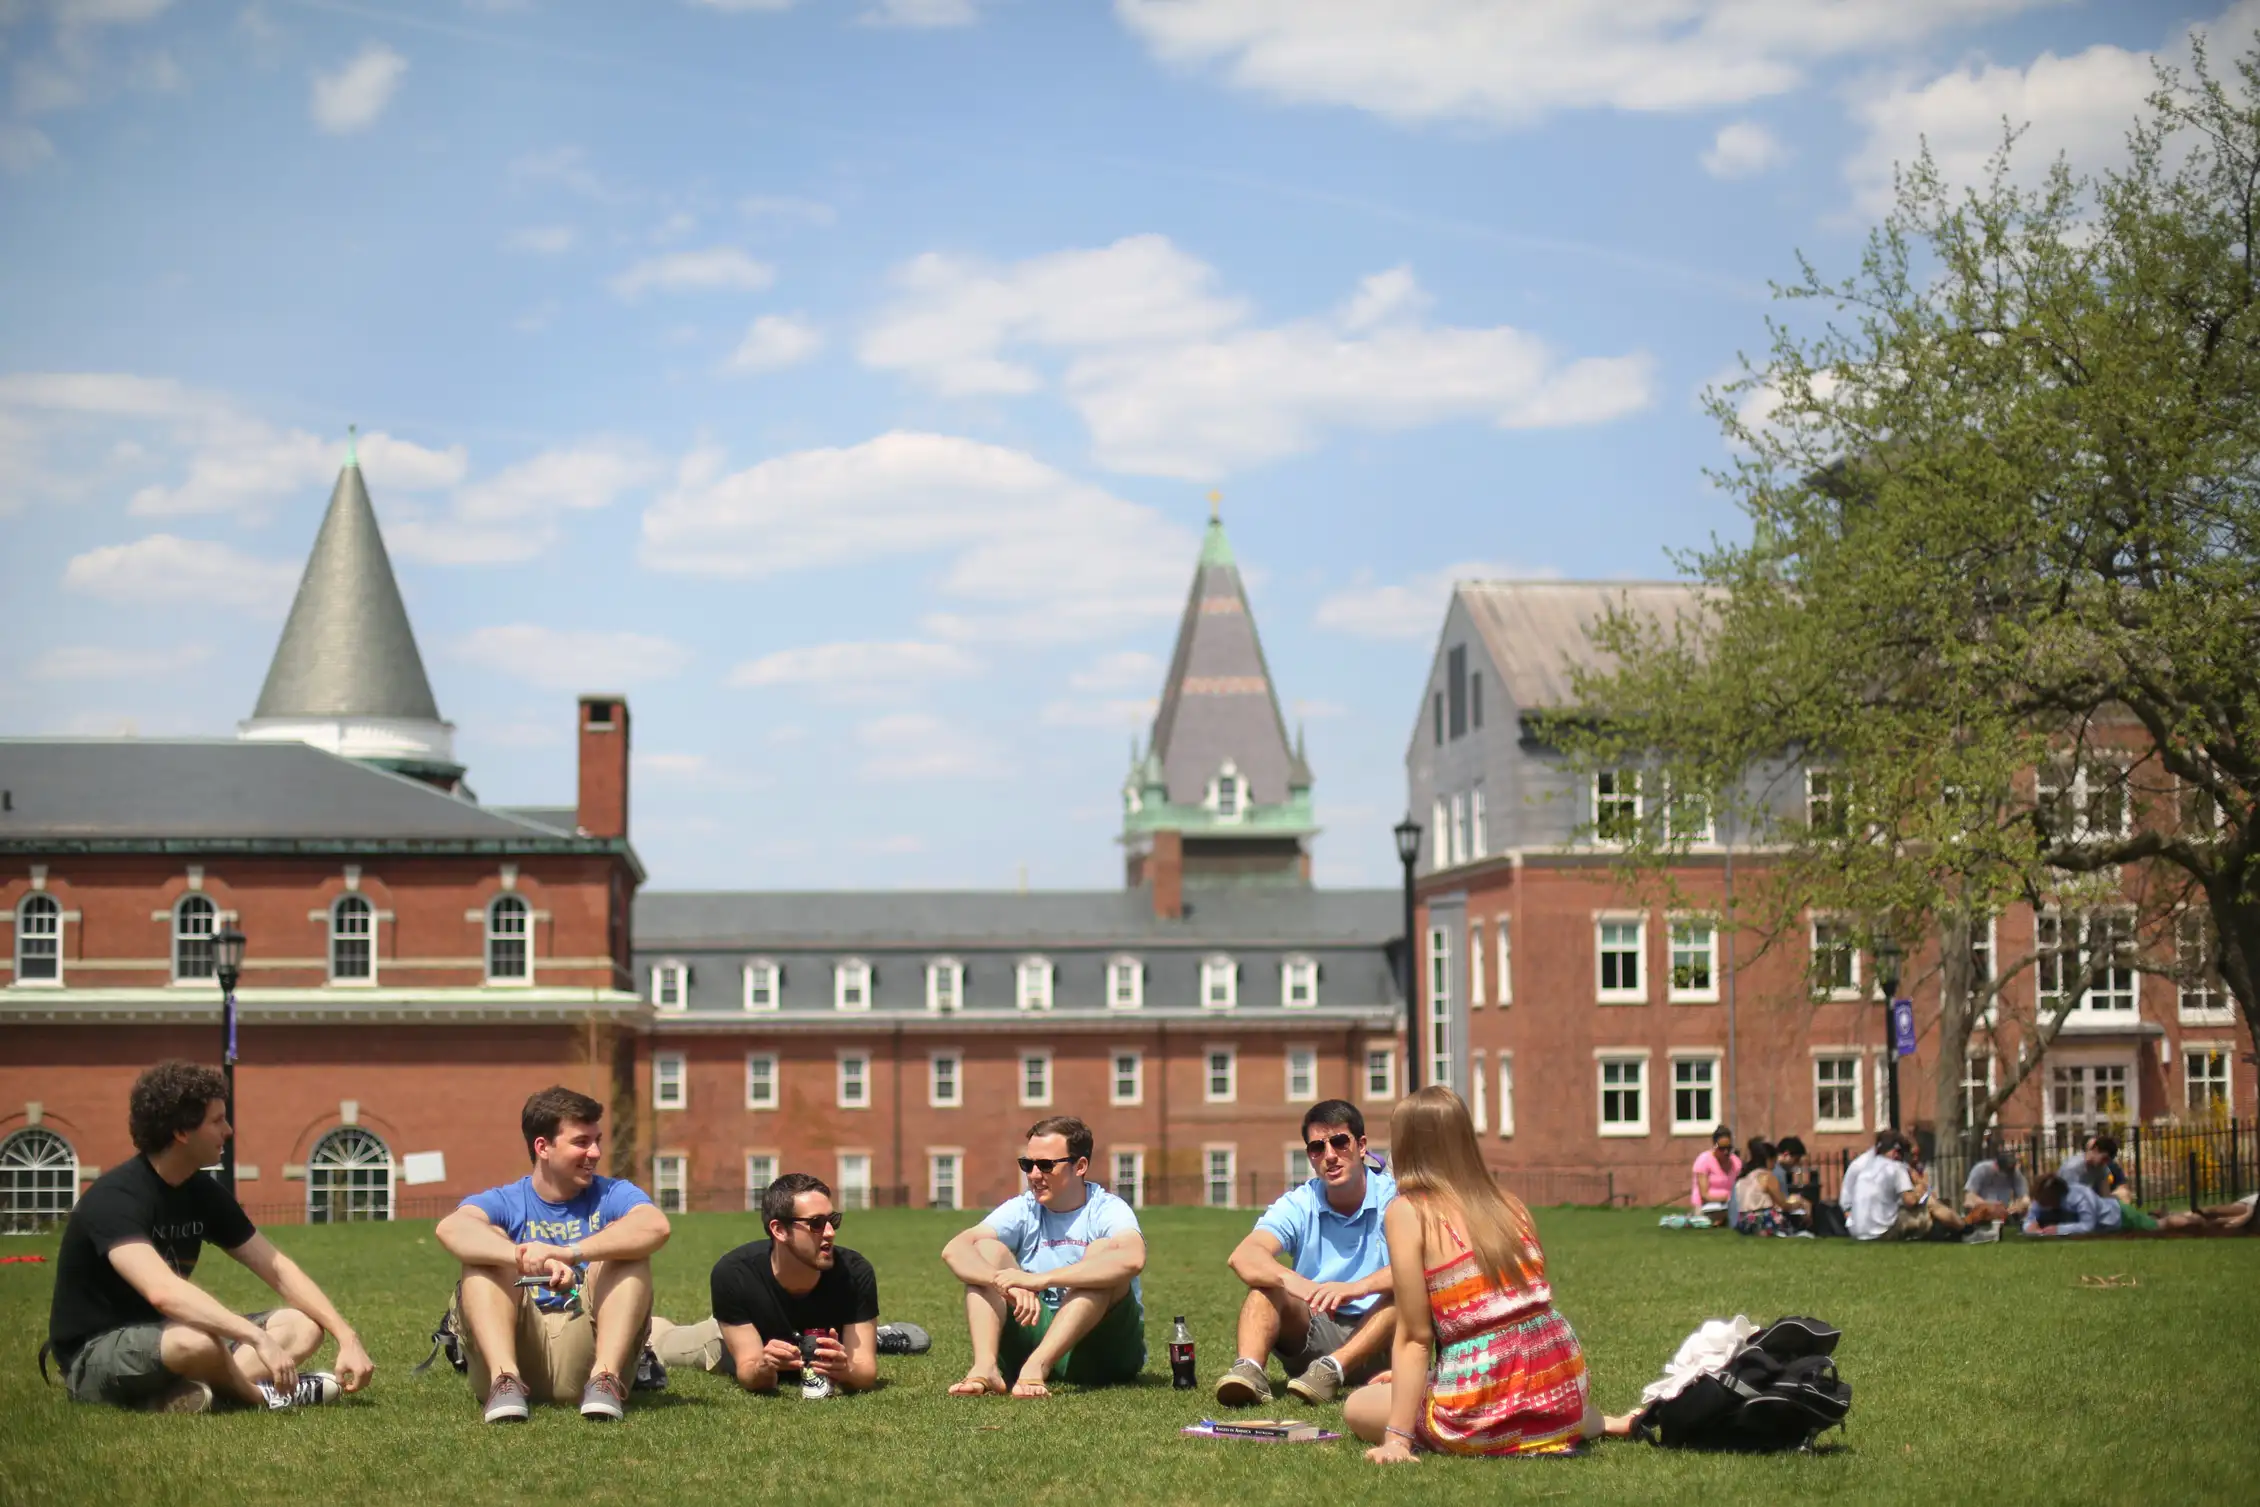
573 1253
1404 1434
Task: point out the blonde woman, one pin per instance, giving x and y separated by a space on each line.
1507 1377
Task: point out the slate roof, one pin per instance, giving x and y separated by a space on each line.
1536 631
135 791
1219 701
347 649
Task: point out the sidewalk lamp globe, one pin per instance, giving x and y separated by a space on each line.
1408 840
227 958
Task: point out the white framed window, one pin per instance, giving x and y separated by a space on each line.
1125 984
1220 983
1223 1175
760 1172
1616 805
195 922
761 980
353 940
39 940
1438 1047
1478 980
1687 813
1619 942
2083 800
670 985
1985 946
1380 1073
1440 834
38 1181
1694 961
1506 960
2206 1086
854 1182
349 1177
1478 842
1126 1076
942 1169
2097 946
945 985
1231 798
1298 983
1977 1084
761 1080
1459 828
1302 1074
851 984
1220 1075
855 1080
1035 986
1624 1092
1836 958
1478 1093
1694 1093
945 1079
510 941
670 1181
1506 1094
1129 1183
2200 996
670 1085
1836 1092
1035 1077
1297 1167
1824 803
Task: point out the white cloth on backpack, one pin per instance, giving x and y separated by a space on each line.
1701 1353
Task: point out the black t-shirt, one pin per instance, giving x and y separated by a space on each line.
131 1202
746 1291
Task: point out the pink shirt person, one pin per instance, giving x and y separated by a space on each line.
1715 1172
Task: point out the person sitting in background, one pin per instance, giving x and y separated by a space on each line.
2066 1208
1995 1189
1892 1201
1715 1172
1760 1206
2095 1165
1798 1178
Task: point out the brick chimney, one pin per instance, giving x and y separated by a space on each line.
603 807
1165 874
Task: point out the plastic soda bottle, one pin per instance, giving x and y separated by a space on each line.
1181 1375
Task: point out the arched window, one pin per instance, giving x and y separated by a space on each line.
194 921
39 940
349 1176
38 1181
509 941
353 953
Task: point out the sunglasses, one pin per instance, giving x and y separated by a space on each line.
817 1222
1046 1164
1341 1143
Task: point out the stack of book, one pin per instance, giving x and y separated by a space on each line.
1273 1430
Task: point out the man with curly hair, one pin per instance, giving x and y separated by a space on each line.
128 1327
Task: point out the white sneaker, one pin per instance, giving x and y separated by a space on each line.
314 1387
187 1395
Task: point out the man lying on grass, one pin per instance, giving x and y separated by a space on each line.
1328 1314
579 1332
129 1327
1051 1277
769 1294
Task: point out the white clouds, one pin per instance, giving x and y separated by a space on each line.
1411 609
1743 149
23 148
108 12
351 98
1172 381
543 240
854 669
572 659
1513 64
1119 713
720 268
772 343
1117 671
787 207
922 14
919 746
94 662
164 570
516 513
1031 552
735 7
244 465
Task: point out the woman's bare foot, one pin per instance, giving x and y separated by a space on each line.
1619 1427
1030 1387
978 1384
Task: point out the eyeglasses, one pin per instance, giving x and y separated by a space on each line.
1046 1164
1341 1142
817 1222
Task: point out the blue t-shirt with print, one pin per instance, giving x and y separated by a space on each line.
1325 1245
524 1215
1042 1241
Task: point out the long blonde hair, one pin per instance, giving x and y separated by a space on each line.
1434 1155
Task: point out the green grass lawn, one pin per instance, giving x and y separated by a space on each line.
1983 1373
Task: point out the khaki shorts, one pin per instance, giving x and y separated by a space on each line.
1911 1224
556 1350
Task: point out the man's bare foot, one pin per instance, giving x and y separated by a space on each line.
979 1384
1029 1387
1619 1427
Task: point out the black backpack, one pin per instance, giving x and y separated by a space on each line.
1779 1392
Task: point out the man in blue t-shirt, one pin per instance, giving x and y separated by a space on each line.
556 1290
1051 1277
1328 1314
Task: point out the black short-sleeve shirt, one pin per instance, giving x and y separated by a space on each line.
746 1291
129 1203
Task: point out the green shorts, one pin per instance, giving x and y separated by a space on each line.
2132 1218
1114 1350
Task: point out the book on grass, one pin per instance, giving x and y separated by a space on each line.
1275 1430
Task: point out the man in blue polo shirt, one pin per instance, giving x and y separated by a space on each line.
1328 1314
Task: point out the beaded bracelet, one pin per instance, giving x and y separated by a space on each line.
1404 1434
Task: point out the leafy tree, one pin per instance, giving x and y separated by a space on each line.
2003 584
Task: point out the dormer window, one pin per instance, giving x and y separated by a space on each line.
762 979
1035 992
851 985
670 985
945 986
1231 794
1220 983
1298 983
1132 802
1125 984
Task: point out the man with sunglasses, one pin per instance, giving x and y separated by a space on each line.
1051 1277
770 1293
1328 1315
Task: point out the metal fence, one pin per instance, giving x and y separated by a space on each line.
2186 1166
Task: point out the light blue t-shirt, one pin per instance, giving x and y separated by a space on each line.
524 1215
1043 1241
1326 1246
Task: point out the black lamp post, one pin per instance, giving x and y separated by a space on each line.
227 962
1887 957
1408 849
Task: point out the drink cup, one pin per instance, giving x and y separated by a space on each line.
815 1386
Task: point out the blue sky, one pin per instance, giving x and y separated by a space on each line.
845 379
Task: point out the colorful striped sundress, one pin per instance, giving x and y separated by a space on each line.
1509 1378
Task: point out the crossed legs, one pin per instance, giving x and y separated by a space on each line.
237 1373
1271 1319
